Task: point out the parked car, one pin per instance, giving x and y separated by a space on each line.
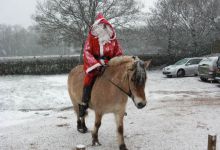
183 67
207 68
217 76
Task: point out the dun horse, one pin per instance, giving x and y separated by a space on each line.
125 76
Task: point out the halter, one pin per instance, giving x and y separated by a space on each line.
129 93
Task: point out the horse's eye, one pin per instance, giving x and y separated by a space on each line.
131 69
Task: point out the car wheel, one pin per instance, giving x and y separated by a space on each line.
180 73
203 79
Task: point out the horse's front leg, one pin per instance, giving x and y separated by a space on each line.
98 118
120 130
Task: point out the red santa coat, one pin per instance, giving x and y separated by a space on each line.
96 54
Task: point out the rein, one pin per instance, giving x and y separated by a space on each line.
129 93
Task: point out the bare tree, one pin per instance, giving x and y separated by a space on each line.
162 22
184 26
16 40
197 17
70 20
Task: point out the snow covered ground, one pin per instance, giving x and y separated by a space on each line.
181 112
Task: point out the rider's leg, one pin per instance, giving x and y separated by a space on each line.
88 83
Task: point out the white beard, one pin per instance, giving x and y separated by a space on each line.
103 34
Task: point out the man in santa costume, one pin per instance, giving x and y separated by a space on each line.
101 45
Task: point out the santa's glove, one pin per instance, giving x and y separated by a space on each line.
104 62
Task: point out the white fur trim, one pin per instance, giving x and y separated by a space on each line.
102 61
93 67
114 36
97 22
101 49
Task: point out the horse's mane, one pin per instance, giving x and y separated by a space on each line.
135 64
120 60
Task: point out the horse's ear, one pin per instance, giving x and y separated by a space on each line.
147 63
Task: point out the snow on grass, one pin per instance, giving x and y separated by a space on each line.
33 92
181 112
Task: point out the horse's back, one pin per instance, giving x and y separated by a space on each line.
105 97
75 83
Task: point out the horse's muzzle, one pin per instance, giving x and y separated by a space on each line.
140 105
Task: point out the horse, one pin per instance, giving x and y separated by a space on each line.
125 76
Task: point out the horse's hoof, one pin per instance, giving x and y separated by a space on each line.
123 147
96 143
83 130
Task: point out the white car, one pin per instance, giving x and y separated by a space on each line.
184 67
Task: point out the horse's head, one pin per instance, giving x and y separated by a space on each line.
137 78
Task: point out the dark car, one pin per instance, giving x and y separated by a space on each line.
217 76
207 69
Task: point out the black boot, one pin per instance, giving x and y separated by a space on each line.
85 101
82 110
81 126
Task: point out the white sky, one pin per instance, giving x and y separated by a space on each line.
19 11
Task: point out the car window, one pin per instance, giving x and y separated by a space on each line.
194 61
206 61
218 62
209 60
181 62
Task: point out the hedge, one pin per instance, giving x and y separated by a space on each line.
37 65
57 64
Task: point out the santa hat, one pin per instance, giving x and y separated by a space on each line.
100 19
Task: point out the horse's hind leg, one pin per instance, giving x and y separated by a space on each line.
120 130
81 126
98 118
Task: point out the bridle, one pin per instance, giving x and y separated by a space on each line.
129 93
